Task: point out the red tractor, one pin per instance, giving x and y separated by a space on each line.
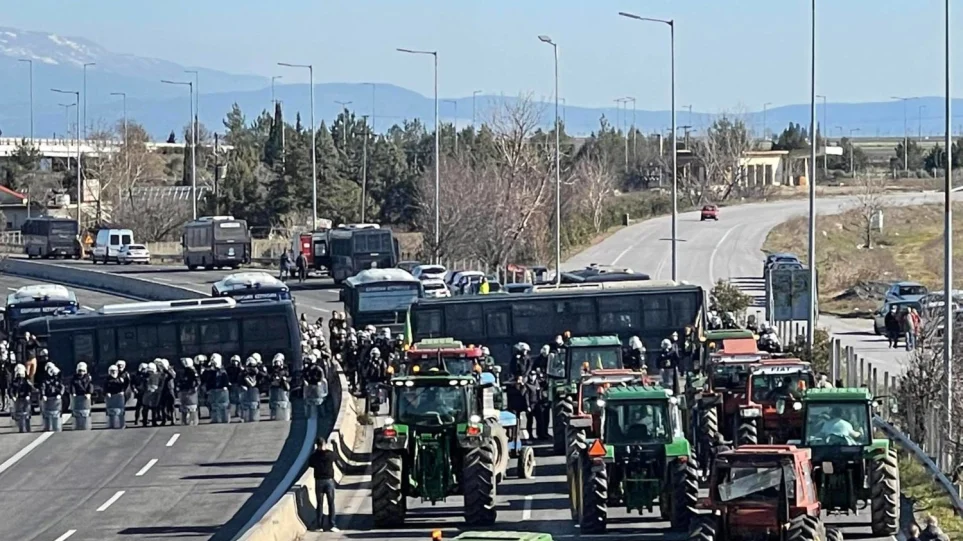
772 409
762 492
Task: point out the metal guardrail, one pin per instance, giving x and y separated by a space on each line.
912 448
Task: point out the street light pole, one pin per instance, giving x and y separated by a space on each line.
314 153
635 148
473 95
67 107
364 166
905 133
85 96
80 192
852 152
193 127
434 55
374 121
558 173
28 61
919 120
197 103
811 319
675 146
948 316
273 79
455 123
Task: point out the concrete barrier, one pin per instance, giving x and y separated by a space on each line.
93 279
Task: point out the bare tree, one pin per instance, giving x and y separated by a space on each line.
721 152
869 202
593 184
152 219
461 207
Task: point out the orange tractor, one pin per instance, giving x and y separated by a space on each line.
762 493
771 410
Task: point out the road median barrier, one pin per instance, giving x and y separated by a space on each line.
97 280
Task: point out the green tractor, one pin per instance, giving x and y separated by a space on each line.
849 466
640 460
565 369
443 437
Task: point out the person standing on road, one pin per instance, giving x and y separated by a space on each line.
322 462
285 266
892 324
908 329
302 264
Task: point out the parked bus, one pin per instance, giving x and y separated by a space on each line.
649 309
380 297
356 247
256 286
33 301
215 242
50 237
142 331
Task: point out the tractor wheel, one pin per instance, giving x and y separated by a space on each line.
685 492
748 433
478 485
884 480
709 423
526 463
832 534
500 448
563 411
574 478
595 497
387 498
576 444
806 528
703 528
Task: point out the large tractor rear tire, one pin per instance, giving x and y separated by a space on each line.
806 528
708 422
884 480
478 483
500 448
832 534
748 433
595 498
576 443
388 501
685 492
562 412
703 528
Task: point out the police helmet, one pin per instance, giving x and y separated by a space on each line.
52 369
251 361
375 352
278 359
200 359
257 357
151 368
666 343
20 371
316 353
216 360
636 343
121 365
187 362
485 351
81 368
370 329
236 359
112 371
44 352
310 359
525 347
546 349
142 367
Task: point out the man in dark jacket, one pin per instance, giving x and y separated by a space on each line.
322 463
668 363
893 326
532 394
302 264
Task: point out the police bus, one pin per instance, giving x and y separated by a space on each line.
215 242
255 286
353 248
37 300
649 309
142 331
380 297
50 237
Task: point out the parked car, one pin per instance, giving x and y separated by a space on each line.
133 253
429 272
460 282
772 259
906 291
435 288
108 244
710 212
408 265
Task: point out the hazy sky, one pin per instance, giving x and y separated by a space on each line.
731 55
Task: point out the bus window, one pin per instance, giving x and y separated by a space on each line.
167 341
126 339
188 335
147 337
84 347
498 324
655 311
682 308
106 344
577 315
428 323
533 318
464 320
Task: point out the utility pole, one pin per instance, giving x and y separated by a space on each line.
948 315
217 175
80 193
558 173
364 166
905 134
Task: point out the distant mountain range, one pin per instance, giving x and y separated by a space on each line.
58 63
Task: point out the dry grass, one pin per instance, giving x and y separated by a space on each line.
909 248
928 497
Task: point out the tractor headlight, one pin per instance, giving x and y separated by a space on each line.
600 402
797 406
474 419
389 421
750 412
673 400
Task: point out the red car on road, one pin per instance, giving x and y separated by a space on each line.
710 212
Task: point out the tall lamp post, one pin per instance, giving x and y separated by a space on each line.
85 95
558 172
314 153
852 152
193 126
273 79
374 119
28 61
364 166
675 146
454 103
948 240
905 133
434 54
811 319
80 192
67 107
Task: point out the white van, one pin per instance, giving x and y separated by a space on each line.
108 243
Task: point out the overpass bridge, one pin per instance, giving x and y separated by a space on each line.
67 148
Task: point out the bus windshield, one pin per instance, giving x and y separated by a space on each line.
368 242
387 298
431 405
230 231
63 230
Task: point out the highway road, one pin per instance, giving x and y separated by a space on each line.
171 482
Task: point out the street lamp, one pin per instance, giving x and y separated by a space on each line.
193 126
434 54
85 95
473 95
948 316
905 132
67 107
314 154
80 192
273 79
852 152
558 172
197 103
28 61
374 123
364 166
675 146
455 123
811 318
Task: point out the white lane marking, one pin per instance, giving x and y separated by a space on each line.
622 254
715 250
85 307
111 501
170 442
527 512
25 451
147 467
66 536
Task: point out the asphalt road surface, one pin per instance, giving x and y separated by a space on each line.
171 482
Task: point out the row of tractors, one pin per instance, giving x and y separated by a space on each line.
629 442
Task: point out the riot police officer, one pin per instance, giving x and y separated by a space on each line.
114 389
250 390
81 391
279 392
187 384
21 388
52 391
